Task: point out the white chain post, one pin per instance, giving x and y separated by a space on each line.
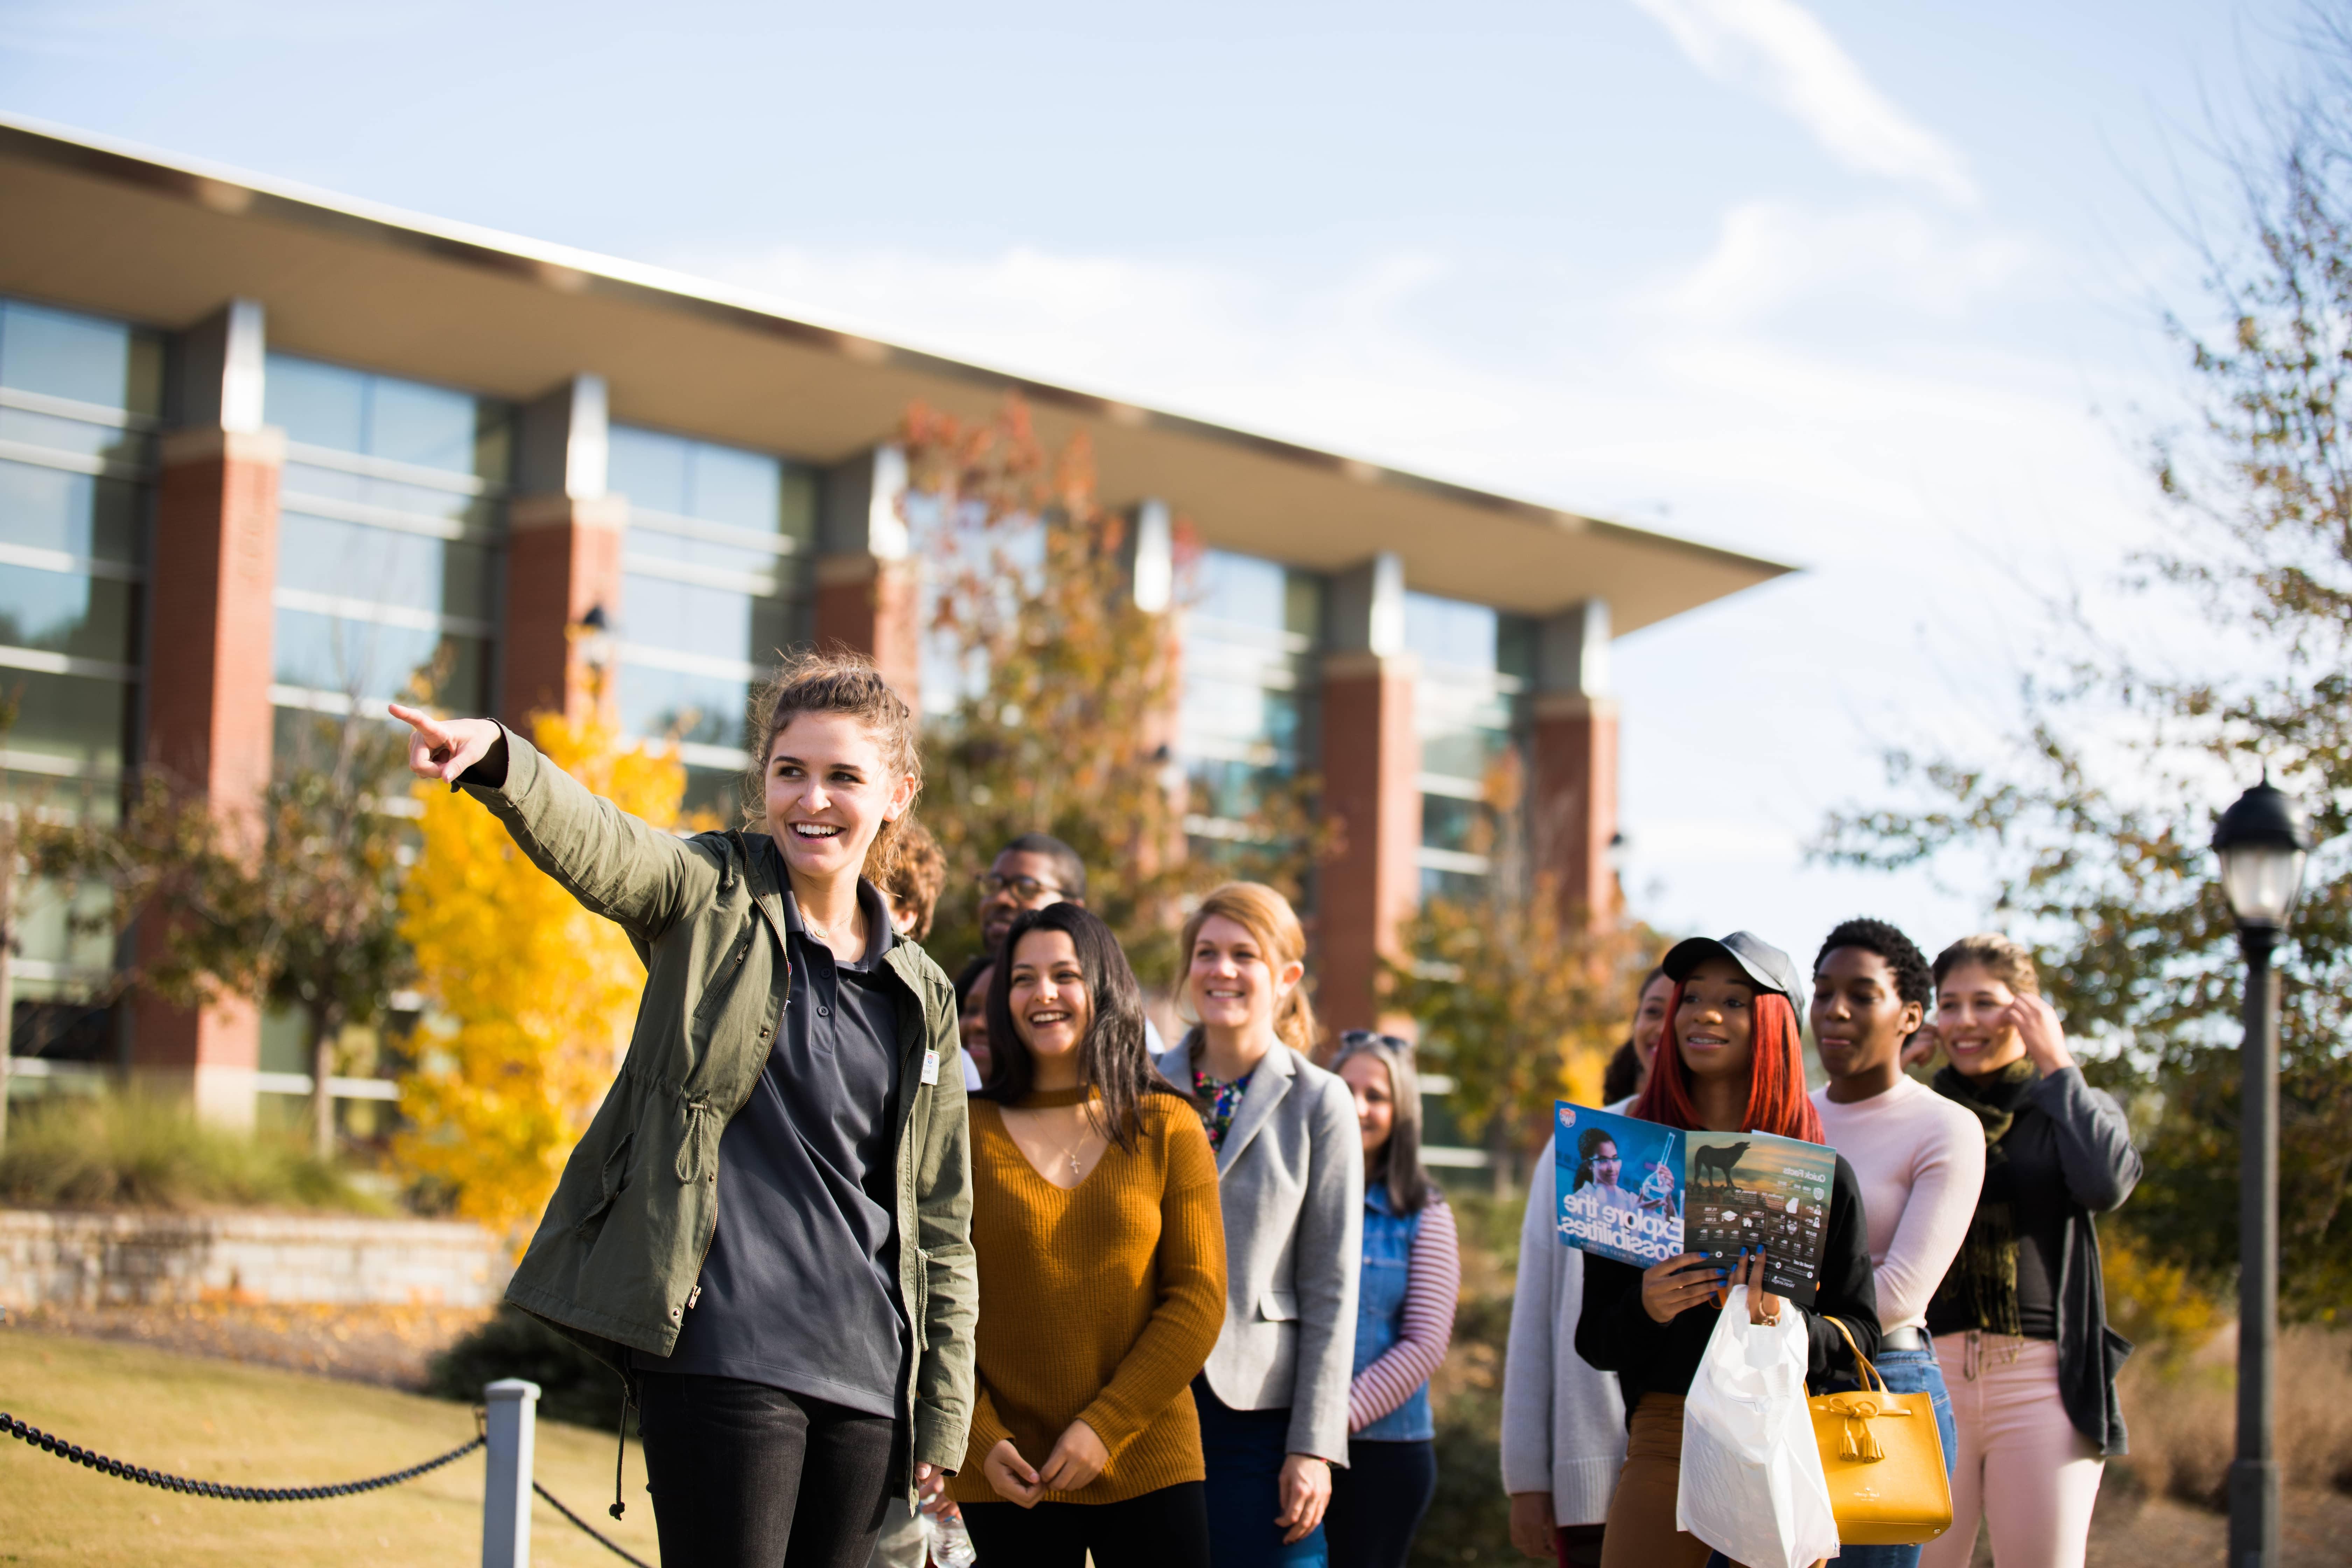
510 1431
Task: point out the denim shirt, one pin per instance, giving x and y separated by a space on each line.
1379 1312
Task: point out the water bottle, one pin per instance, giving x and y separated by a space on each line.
950 1545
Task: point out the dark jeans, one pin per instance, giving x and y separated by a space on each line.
1377 1502
745 1476
1163 1528
1244 1450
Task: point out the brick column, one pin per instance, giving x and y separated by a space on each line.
1370 758
1573 806
564 534
208 718
867 597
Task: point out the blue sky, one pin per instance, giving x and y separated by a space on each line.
1875 289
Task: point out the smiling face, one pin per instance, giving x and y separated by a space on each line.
1367 1078
1650 1019
1230 982
1051 1009
1968 1006
1606 1165
1714 1027
1860 1019
971 1020
829 791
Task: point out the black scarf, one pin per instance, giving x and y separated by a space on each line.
1981 1284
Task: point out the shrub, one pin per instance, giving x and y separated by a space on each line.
573 1385
135 1151
2182 1416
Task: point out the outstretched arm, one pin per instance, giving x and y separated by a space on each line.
623 868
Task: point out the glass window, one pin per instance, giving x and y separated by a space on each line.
387 575
411 571
363 414
1469 713
715 587
76 514
1247 721
83 359
78 396
68 613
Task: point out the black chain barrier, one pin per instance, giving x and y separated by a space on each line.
599 1537
75 1453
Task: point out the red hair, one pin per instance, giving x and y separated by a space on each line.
1777 1101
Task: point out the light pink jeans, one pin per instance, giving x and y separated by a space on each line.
2021 1465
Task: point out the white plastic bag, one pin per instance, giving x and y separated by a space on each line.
1751 1478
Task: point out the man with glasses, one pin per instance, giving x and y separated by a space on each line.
1034 871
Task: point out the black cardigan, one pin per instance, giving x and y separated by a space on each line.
2081 1130
1615 1334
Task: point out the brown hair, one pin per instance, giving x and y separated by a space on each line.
1397 1164
835 681
913 875
2005 960
1267 916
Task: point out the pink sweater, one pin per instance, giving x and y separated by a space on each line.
1921 1161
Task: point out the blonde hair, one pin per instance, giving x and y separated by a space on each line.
835 681
2005 960
1267 916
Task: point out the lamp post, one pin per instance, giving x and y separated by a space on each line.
2262 841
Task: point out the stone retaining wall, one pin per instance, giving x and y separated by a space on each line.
76 1258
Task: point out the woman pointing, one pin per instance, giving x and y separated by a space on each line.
766 1228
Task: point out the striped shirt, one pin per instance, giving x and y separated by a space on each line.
1432 1286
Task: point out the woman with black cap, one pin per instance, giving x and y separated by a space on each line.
1731 1062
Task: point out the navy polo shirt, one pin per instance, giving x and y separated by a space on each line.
800 1288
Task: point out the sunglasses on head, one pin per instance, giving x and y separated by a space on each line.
1350 1038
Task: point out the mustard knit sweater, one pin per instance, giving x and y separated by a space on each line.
1099 1303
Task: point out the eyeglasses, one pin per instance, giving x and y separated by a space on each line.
1028 889
1351 1038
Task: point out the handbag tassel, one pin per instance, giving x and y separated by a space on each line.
1858 1443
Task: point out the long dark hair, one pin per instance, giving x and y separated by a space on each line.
1398 1164
1112 1059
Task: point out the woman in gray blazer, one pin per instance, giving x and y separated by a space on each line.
1274 1397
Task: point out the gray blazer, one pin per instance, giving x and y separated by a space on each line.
1291 1181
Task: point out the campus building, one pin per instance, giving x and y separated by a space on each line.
265 452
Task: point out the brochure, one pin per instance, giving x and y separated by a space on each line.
1751 1189
1619 1185
1642 1192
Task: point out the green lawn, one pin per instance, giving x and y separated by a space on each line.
257 1427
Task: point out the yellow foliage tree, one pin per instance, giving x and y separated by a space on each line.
529 997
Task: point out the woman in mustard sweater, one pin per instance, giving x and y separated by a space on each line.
1102 1270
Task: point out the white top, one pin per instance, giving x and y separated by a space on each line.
1563 1423
1920 1160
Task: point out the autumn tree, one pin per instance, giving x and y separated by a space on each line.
1066 688
529 997
1517 997
2094 821
289 901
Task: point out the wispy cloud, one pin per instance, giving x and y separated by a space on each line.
1782 51
1770 254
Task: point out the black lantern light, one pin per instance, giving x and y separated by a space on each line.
2262 841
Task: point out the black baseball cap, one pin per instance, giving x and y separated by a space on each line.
1767 965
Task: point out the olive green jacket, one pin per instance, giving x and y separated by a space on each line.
616 1257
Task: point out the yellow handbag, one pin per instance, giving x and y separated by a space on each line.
1884 1460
